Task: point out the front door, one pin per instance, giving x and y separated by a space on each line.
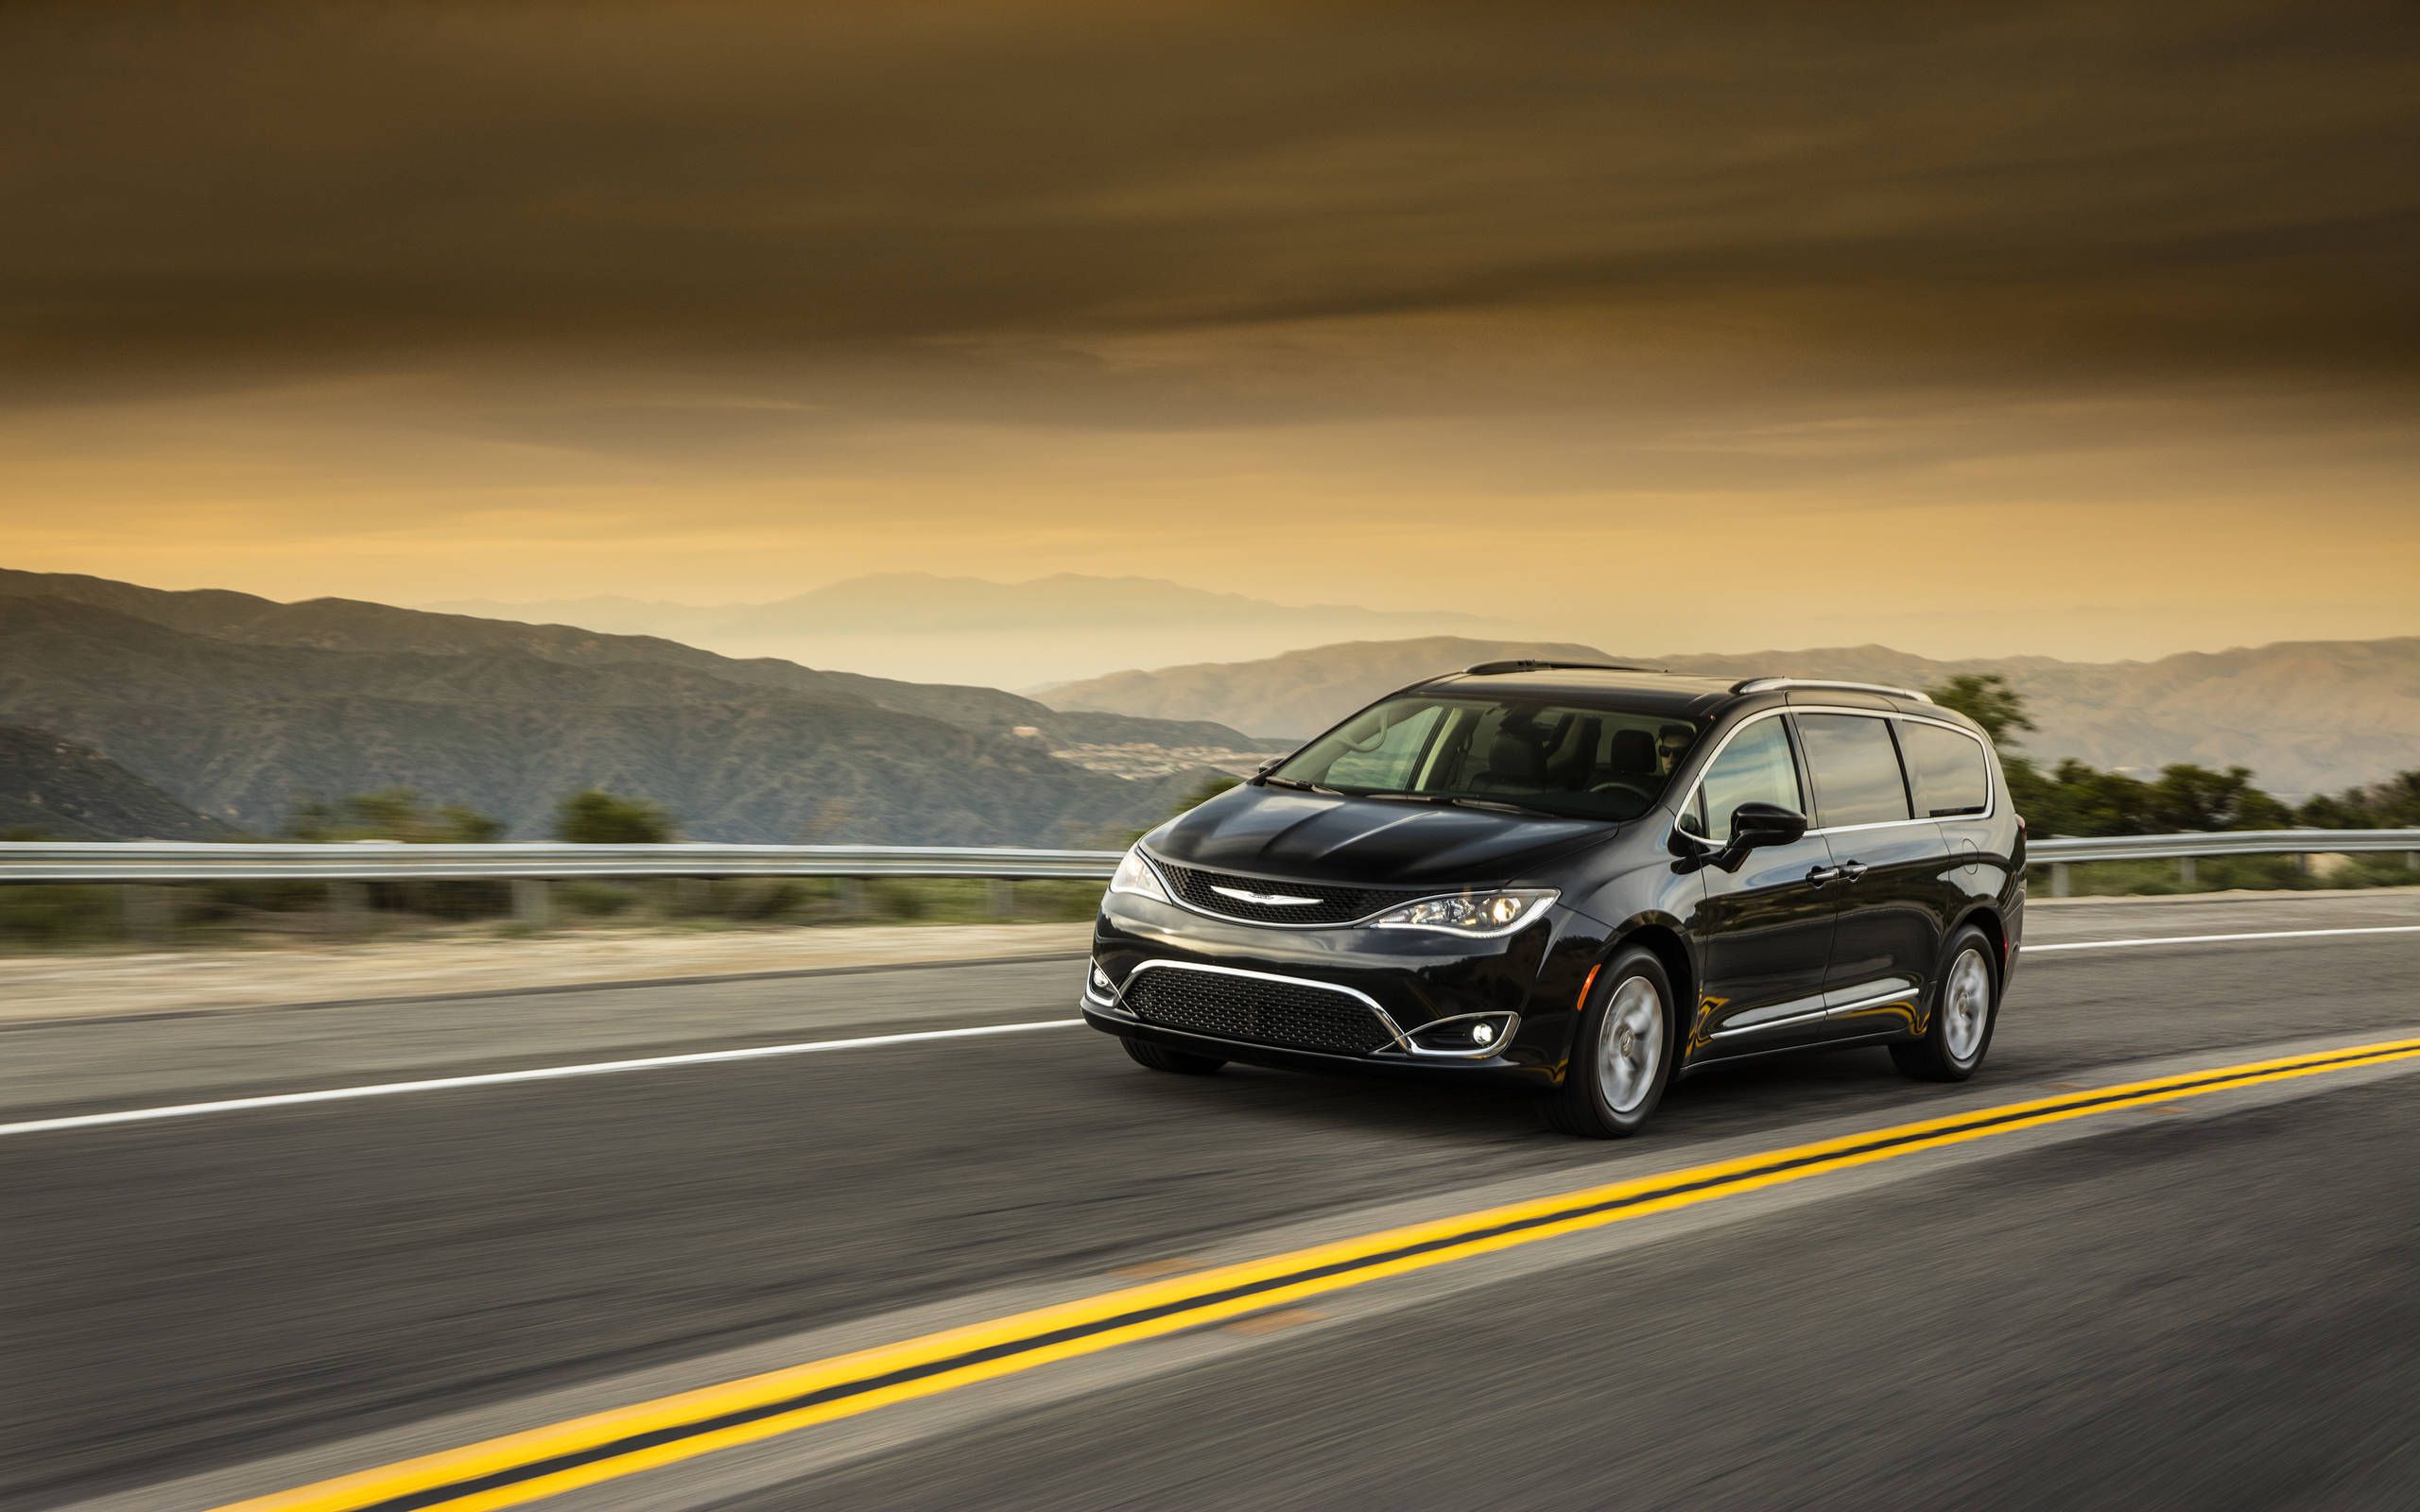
1765 929
1893 866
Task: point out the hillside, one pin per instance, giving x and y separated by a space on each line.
240 707
355 625
922 625
55 789
2306 716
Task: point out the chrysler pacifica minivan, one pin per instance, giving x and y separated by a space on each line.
1588 878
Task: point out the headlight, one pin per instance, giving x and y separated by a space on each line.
1474 914
1135 875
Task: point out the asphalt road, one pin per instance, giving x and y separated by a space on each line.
2213 1311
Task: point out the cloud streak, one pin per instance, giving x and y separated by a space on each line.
324 190
775 260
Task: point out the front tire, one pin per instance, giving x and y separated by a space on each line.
1965 1010
1160 1057
1621 1058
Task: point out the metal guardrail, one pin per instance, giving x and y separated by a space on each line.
2223 843
384 861
147 866
2059 855
166 861
532 864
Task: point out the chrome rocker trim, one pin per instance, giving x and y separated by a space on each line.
1828 1011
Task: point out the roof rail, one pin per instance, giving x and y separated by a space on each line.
1486 669
1769 685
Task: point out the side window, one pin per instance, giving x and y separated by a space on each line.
1754 768
1856 769
1950 769
1386 762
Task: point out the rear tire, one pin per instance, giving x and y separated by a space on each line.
1160 1057
1622 1054
1965 1010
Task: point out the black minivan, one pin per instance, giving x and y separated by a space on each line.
1589 879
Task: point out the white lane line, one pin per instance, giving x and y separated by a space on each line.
499 1078
2214 940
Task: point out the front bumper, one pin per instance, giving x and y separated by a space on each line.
1409 981
1285 1057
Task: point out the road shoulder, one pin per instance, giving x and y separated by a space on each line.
67 988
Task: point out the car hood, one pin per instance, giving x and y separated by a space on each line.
1368 842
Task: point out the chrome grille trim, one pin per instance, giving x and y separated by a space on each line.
1179 877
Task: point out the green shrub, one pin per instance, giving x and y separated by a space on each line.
596 817
57 914
594 899
909 900
391 813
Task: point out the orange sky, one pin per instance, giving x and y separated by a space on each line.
1664 328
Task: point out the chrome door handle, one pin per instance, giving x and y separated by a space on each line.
1853 870
1824 875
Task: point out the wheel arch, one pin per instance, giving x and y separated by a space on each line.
1661 936
1985 916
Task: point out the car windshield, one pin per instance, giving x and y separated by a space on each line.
1569 759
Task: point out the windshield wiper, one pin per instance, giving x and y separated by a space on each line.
1462 801
1301 786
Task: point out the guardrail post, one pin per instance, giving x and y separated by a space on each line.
350 903
1004 898
533 902
149 912
852 893
2185 872
2411 859
2061 879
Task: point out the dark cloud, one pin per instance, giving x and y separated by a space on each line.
968 205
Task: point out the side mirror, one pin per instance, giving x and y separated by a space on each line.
1752 825
1756 825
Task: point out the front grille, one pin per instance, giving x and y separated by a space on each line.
1329 904
1299 1015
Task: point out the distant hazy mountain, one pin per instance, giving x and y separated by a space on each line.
2308 715
918 624
54 789
239 707
1303 692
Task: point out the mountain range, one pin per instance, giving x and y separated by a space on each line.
134 712
2304 715
242 707
924 625
59 790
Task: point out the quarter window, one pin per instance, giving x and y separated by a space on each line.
1949 769
1754 768
1856 769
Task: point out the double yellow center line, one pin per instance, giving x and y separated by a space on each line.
544 1462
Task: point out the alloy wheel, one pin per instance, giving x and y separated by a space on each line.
1631 1051
1967 1005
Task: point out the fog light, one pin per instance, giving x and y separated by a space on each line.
1100 978
1467 1035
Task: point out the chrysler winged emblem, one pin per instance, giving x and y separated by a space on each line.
1267 899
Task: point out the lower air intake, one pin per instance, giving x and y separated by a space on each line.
1256 1009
